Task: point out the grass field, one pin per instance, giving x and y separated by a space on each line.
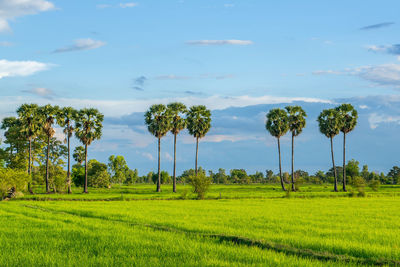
249 225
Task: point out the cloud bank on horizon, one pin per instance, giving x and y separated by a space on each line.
239 59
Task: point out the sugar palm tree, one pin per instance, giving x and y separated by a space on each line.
65 119
297 121
88 126
178 123
277 125
158 123
348 117
79 154
198 124
28 119
48 115
329 125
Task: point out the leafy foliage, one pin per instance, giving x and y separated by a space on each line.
200 184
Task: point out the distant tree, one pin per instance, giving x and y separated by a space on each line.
198 124
352 168
131 176
48 115
329 125
79 154
178 123
321 175
28 115
14 155
348 117
258 177
240 176
118 169
65 119
269 174
158 123
220 177
394 174
165 178
97 174
277 125
88 126
297 121
365 172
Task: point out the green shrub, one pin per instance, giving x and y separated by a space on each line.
12 178
200 183
374 185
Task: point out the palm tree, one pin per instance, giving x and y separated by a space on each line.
48 115
329 125
178 123
198 124
88 126
348 117
277 125
158 123
297 121
79 154
65 118
30 127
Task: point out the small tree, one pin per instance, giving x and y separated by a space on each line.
200 183
277 125
79 154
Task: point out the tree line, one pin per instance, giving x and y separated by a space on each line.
33 131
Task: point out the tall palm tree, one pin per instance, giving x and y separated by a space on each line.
65 118
329 125
348 117
297 121
88 126
178 123
158 123
48 115
277 125
28 115
198 124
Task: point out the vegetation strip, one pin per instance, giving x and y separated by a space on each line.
238 240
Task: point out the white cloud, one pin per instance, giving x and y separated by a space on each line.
125 5
41 91
323 72
101 6
81 44
11 9
220 42
375 119
148 156
363 106
4 43
20 68
168 157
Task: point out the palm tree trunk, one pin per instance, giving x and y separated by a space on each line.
344 162
197 154
293 188
69 167
47 165
85 187
280 165
334 167
159 166
174 182
30 166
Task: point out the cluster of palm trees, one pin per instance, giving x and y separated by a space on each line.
175 117
35 121
331 121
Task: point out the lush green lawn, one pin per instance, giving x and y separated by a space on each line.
320 231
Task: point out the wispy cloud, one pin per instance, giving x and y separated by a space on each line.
41 91
11 9
139 82
81 44
126 5
148 156
377 26
6 43
172 77
323 72
375 119
220 42
188 92
120 5
201 76
21 68
389 49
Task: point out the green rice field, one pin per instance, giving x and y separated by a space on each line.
237 225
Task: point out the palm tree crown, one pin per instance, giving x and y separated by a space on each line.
329 123
157 120
277 122
348 116
88 125
177 111
296 119
198 121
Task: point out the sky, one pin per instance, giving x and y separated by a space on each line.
239 58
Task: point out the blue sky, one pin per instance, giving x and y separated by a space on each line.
123 56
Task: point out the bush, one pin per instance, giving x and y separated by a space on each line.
374 185
200 183
10 178
99 179
359 184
